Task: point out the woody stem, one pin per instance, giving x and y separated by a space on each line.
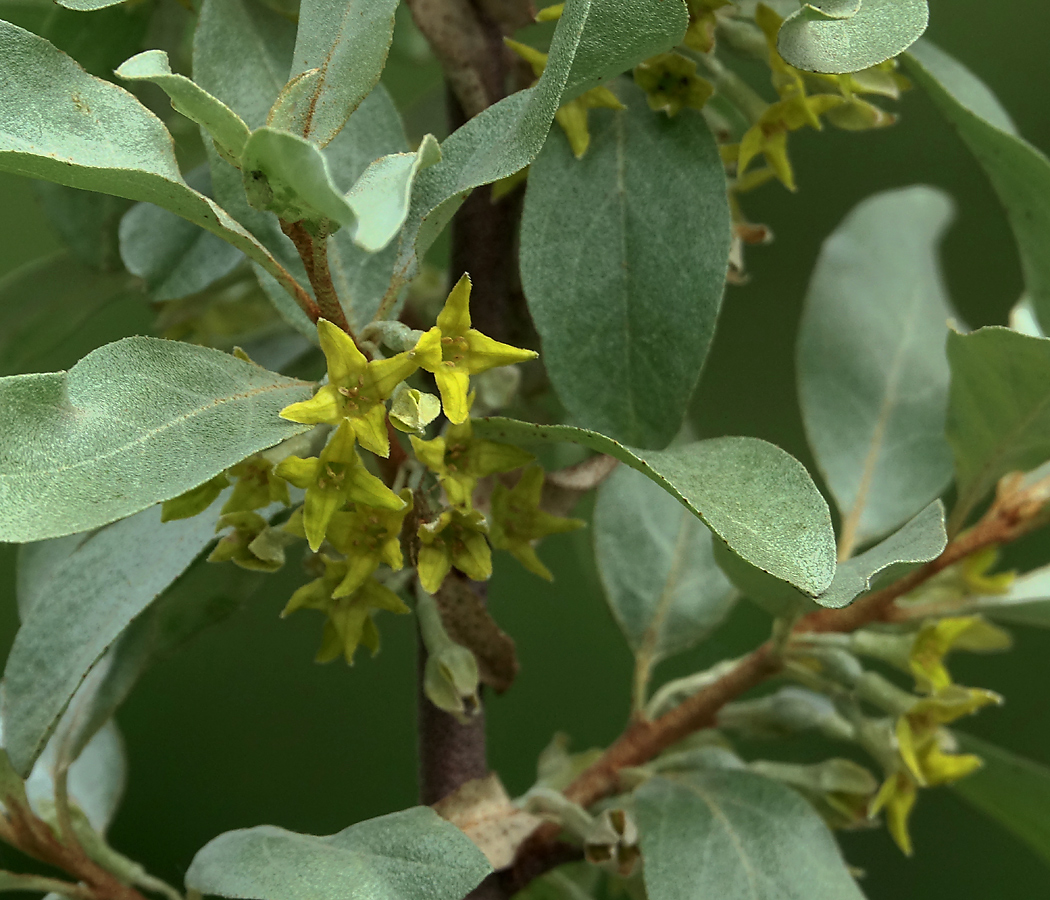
1014 514
314 253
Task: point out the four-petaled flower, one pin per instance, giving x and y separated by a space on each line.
459 459
257 486
368 537
333 479
670 83
518 521
464 352
349 622
455 538
357 389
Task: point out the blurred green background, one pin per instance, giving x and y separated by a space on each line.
243 728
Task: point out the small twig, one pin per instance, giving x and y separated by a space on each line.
1016 511
48 885
62 811
314 254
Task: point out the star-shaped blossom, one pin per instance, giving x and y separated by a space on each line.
357 388
331 481
368 537
464 352
459 459
257 486
768 136
671 84
518 521
455 538
349 623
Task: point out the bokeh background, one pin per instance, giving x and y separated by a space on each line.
243 728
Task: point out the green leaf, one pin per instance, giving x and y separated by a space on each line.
113 35
1018 171
175 258
1012 790
88 223
133 423
340 50
408 855
47 303
753 495
998 410
623 262
380 198
963 86
262 42
732 835
96 778
594 40
872 372
774 595
880 29
921 540
87 5
226 128
61 124
289 176
76 596
657 567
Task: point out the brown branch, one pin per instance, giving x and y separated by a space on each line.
467 39
314 254
1016 511
35 838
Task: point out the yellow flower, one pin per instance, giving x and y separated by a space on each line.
935 639
924 751
670 83
975 575
455 538
459 459
768 135
368 537
518 521
702 22
333 479
357 389
257 486
897 797
464 352
349 621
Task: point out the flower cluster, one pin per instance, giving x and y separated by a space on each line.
352 519
908 736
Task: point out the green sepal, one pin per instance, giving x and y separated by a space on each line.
195 500
518 521
456 538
